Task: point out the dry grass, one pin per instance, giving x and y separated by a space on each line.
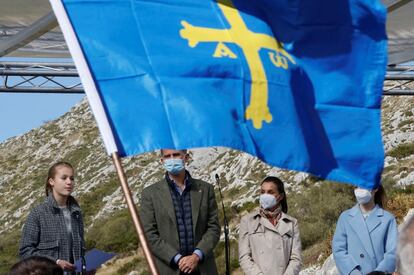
400 204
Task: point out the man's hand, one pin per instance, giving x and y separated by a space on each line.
188 264
65 265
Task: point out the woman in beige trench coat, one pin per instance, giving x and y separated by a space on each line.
269 242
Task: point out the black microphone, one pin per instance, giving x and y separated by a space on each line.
226 230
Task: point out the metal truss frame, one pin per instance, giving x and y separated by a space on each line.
62 78
42 77
399 80
30 33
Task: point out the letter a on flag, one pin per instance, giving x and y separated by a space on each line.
296 83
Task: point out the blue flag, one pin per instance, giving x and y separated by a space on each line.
296 83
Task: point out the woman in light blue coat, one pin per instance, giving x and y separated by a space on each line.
366 235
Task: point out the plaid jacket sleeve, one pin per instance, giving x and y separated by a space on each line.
30 236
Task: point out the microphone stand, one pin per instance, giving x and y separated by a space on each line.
83 260
226 230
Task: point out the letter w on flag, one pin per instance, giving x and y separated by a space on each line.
296 83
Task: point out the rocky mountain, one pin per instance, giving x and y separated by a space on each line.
74 137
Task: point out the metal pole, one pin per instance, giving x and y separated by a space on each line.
20 64
398 92
400 69
226 230
134 213
37 29
38 72
396 5
30 90
400 77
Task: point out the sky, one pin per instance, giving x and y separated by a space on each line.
19 113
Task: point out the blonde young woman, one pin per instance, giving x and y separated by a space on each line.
269 242
54 229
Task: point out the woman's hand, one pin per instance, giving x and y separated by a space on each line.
65 265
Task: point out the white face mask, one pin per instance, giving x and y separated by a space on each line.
267 201
363 196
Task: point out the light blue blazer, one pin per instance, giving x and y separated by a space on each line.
369 245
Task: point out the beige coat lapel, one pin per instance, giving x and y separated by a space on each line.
255 224
266 223
284 226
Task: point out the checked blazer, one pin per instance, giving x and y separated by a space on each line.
44 233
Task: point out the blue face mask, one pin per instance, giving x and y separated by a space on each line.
174 166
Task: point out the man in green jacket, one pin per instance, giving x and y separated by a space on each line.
179 215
